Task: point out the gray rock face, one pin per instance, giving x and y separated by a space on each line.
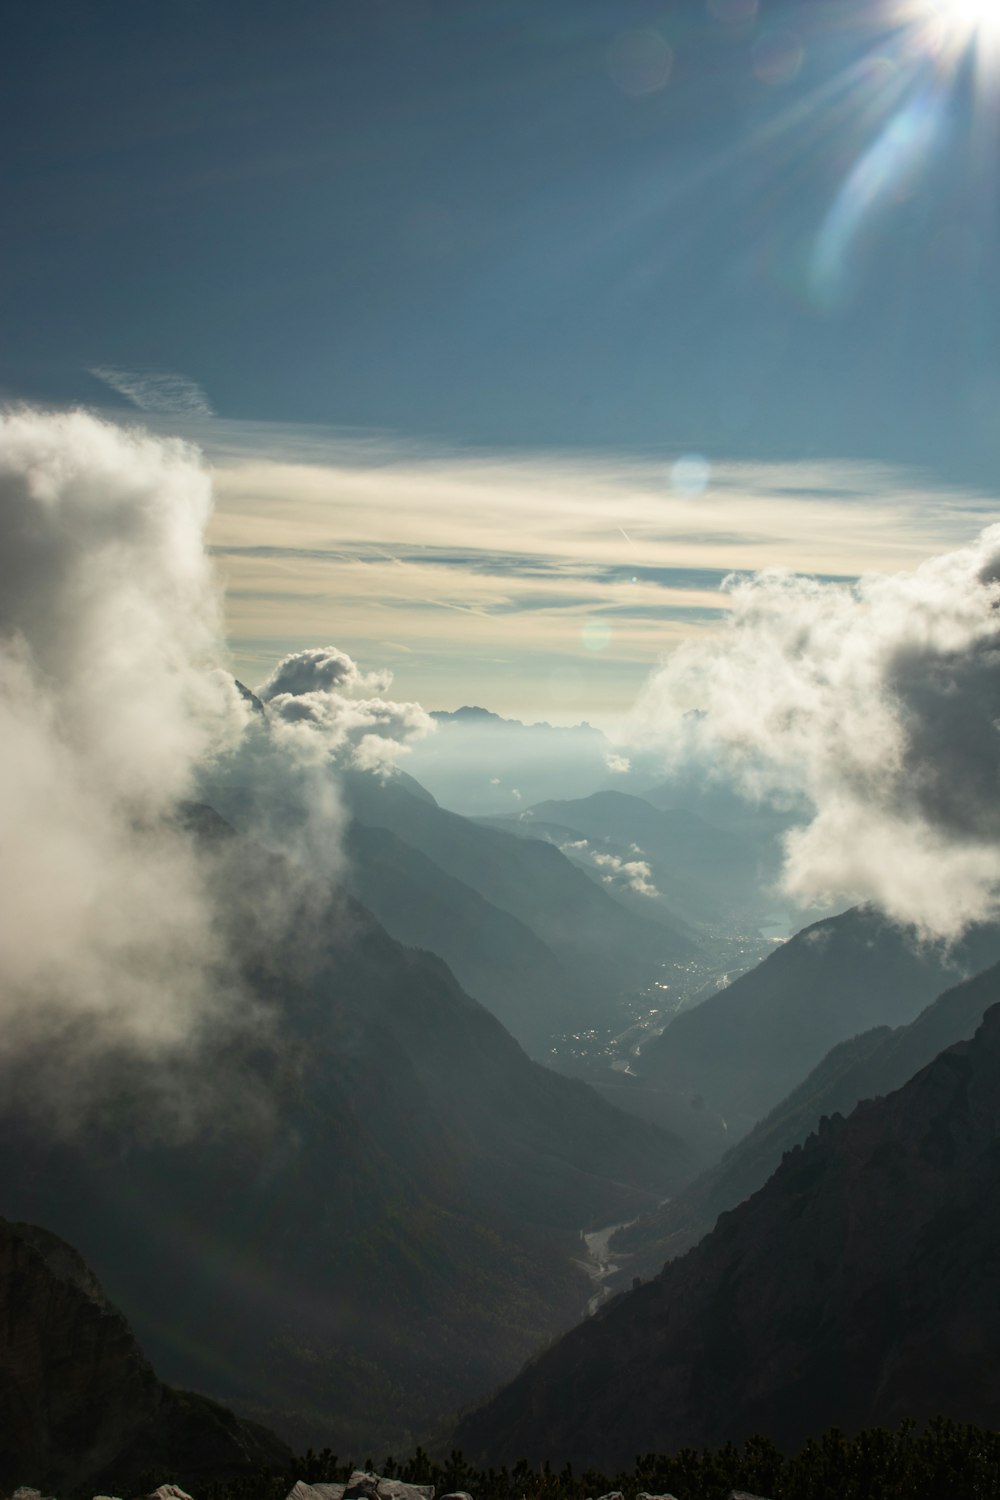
302 1491
79 1403
367 1486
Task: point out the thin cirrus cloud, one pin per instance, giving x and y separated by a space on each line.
156 390
571 575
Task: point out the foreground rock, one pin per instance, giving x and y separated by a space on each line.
79 1404
364 1485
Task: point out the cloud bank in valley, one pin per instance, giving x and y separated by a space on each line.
879 704
115 710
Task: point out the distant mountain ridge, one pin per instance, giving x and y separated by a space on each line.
858 1287
603 945
704 873
472 714
480 763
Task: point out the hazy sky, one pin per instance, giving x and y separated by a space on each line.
510 328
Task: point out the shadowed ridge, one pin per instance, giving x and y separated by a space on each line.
79 1403
857 1287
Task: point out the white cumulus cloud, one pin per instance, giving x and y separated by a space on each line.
878 704
634 874
311 699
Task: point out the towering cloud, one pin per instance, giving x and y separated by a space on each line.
110 697
315 704
878 704
114 709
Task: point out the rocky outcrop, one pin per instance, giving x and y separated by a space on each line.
365 1485
79 1404
858 1287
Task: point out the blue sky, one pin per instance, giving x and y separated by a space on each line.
766 234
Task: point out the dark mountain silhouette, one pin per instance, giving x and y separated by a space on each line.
388 1221
79 1404
866 1066
745 1048
858 1287
494 956
605 947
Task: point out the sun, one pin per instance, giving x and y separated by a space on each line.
950 30
968 20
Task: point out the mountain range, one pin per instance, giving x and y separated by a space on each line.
706 875
380 1218
596 946
745 1048
868 1065
391 1220
480 763
858 1287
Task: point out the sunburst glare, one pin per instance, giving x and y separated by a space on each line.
951 28
970 16
938 50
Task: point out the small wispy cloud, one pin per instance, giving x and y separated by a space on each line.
156 390
634 874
